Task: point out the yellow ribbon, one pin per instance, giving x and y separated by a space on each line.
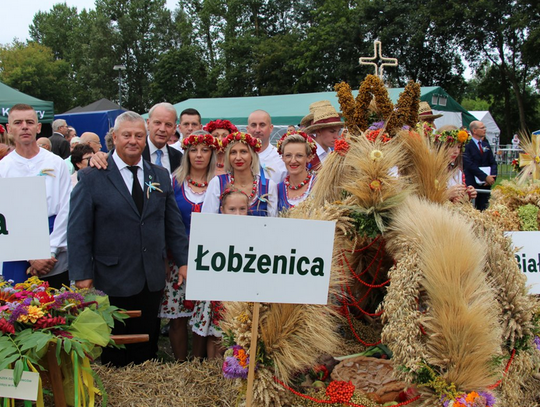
39 401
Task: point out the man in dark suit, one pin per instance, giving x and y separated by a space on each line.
161 125
478 154
59 145
122 222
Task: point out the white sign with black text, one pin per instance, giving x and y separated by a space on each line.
24 227
259 259
528 256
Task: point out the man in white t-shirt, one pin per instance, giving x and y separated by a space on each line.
260 126
29 160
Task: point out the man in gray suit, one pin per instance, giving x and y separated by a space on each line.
122 222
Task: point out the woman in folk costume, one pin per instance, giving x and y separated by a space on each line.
242 166
220 129
297 149
324 126
454 140
190 182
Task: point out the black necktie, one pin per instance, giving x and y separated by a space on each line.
136 190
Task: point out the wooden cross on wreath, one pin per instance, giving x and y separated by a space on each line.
377 55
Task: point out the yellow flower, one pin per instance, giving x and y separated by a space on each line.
34 313
376 155
462 136
375 185
537 160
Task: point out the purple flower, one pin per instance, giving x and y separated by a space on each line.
21 309
233 370
60 299
376 125
537 342
490 399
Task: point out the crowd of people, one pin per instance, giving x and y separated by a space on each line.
120 221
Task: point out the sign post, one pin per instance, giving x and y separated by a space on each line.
259 259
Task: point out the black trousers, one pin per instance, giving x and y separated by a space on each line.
148 323
482 199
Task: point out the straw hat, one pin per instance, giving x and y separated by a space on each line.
324 115
425 112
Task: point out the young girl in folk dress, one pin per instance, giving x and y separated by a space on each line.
243 173
190 182
296 150
208 314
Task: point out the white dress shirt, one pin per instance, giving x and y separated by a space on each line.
274 167
126 173
165 161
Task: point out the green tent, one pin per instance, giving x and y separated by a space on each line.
289 109
10 97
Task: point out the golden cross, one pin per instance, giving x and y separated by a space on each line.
377 55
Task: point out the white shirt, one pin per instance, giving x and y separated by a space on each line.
176 145
322 153
212 203
126 173
274 167
165 162
58 189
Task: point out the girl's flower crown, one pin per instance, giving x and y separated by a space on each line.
220 124
230 190
245 138
451 137
195 139
308 139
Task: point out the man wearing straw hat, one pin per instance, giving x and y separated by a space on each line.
325 127
425 114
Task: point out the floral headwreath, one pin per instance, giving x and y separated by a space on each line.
220 124
230 190
310 142
195 139
451 137
254 142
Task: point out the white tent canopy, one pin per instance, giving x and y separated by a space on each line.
493 132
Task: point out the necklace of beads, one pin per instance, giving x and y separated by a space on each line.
220 165
196 184
297 187
253 190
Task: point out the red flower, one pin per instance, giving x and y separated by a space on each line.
238 137
188 304
6 327
47 322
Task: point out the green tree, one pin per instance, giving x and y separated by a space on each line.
498 31
407 33
140 31
32 69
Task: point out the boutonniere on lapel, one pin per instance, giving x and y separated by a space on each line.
152 186
47 171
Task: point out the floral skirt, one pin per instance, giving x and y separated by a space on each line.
174 303
206 318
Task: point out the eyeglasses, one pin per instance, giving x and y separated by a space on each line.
289 157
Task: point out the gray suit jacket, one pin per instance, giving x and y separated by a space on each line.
111 243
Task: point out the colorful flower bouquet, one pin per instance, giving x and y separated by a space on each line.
34 315
236 363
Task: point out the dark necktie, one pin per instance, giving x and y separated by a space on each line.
480 147
136 190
